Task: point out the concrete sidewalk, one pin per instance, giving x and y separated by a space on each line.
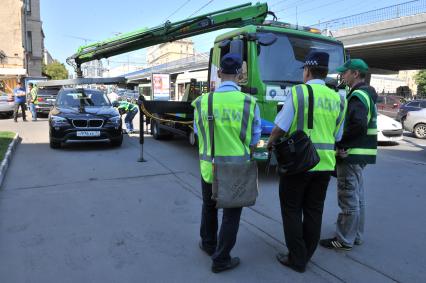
94 214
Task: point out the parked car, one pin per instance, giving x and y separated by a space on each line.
415 122
388 105
84 115
414 105
388 130
6 104
46 99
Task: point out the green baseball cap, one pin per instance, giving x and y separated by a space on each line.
353 64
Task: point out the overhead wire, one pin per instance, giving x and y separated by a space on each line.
202 7
177 10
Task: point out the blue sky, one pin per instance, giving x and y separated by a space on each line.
67 23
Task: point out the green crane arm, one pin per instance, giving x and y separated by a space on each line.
233 17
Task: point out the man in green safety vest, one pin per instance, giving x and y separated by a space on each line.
33 100
130 110
237 128
357 148
302 195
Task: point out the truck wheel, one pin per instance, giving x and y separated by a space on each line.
420 131
192 138
158 133
54 144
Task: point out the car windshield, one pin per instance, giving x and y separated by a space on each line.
82 98
283 60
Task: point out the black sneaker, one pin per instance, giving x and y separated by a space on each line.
285 260
335 244
234 262
358 242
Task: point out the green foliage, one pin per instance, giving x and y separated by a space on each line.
56 70
421 81
5 139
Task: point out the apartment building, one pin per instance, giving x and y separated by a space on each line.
21 41
170 51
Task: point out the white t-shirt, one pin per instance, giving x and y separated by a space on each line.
112 96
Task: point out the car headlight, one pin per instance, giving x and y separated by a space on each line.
59 121
115 120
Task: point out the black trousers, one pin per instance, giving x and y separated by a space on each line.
302 201
23 108
209 224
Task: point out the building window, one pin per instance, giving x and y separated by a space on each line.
29 42
28 6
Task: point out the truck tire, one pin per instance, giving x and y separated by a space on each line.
192 138
54 144
158 133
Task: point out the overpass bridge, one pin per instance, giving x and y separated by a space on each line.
389 39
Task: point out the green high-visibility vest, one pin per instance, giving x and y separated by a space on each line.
126 106
329 109
34 95
364 151
233 114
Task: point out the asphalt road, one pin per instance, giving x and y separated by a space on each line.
94 214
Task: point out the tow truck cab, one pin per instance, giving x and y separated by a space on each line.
273 55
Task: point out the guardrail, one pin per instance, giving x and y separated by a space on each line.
388 13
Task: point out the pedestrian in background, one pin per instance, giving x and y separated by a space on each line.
237 134
20 99
357 148
33 100
130 110
302 195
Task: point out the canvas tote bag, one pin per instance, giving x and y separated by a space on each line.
234 184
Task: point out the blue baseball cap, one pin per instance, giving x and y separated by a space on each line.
316 59
231 63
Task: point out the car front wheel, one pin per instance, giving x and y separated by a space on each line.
117 142
54 144
420 131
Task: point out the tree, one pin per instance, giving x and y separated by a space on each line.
421 81
56 70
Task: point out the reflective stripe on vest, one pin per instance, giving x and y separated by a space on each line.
233 113
366 150
328 106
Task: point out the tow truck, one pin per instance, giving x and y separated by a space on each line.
272 52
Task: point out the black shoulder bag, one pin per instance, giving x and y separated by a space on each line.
296 153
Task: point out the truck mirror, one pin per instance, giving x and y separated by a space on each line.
347 55
224 43
237 47
266 39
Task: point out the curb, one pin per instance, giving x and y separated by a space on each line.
8 157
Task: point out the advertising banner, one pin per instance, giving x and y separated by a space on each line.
160 86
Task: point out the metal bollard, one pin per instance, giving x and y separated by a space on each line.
141 130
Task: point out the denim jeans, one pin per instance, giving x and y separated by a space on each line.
129 119
351 199
33 111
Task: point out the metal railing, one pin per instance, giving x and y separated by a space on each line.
388 13
198 60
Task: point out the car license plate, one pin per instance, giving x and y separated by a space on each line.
50 99
88 133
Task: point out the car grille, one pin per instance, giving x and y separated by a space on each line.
93 123
392 133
